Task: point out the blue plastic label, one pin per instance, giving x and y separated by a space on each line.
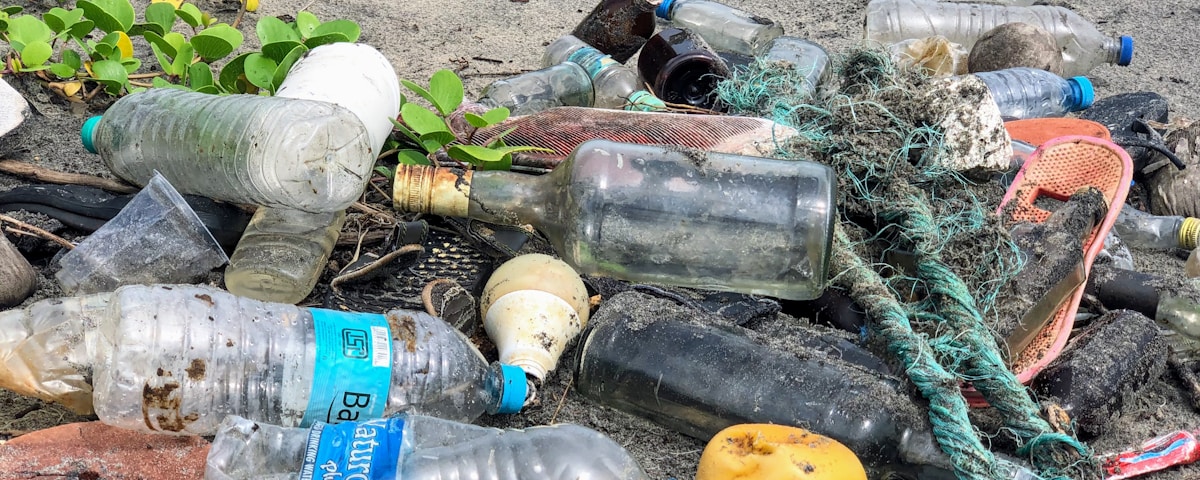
354 450
353 369
592 60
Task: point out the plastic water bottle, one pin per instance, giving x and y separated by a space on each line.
725 28
564 84
268 151
1083 46
1139 229
616 85
179 358
1024 92
415 447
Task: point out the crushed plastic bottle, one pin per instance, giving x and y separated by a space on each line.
564 84
1083 46
616 85
609 206
1139 229
415 447
268 151
1024 92
178 358
724 27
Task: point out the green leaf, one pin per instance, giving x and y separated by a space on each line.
406 131
131 64
71 59
27 29
161 14
326 39
272 29
12 10
231 72
260 70
421 120
475 120
474 154
109 15
440 138
447 91
285 66
3 22
199 75
164 61
387 172
62 70
306 22
159 82
35 54
419 90
411 157
278 50
431 145
179 66
82 29
345 27
210 89
496 115
504 163
112 74
216 42
60 19
190 14
101 51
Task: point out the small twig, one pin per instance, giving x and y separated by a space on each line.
241 12
136 76
562 400
485 59
495 74
95 91
351 238
41 233
141 84
1189 378
22 169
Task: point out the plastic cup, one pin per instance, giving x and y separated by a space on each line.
156 238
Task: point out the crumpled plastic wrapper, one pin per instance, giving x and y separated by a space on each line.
1174 191
937 56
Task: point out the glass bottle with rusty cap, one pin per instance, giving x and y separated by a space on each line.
658 214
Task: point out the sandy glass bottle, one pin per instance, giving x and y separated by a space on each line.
282 254
724 27
616 86
659 214
682 68
617 27
564 84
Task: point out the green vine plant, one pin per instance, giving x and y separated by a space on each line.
428 137
185 60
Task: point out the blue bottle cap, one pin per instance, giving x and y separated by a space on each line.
664 9
1126 50
88 133
1082 93
512 389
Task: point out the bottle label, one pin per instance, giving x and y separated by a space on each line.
353 450
353 369
592 60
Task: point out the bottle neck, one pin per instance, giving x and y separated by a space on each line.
1112 50
499 197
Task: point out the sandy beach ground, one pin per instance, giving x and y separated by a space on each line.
489 39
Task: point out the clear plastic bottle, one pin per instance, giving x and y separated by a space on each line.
1192 267
282 254
724 27
807 58
1139 229
616 85
554 86
682 68
657 214
1083 46
415 447
179 358
268 151
1024 92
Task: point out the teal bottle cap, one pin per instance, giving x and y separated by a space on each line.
88 133
512 389
664 9
1126 51
1082 93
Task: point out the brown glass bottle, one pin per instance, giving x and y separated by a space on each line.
682 68
617 27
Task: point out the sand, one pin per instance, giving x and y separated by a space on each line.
486 40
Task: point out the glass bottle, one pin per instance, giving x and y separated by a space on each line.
657 214
616 85
554 86
682 68
724 27
1139 229
617 27
807 58
282 253
1083 45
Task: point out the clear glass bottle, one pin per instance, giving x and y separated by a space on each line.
724 27
617 27
554 86
179 358
282 254
681 68
807 58
1024 92
268 151
1083 46
416 447
657 214
616 85
1139 229
1192 267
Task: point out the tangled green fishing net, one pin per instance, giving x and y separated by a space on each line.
916 246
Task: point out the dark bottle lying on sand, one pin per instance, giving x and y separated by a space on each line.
617 27
682 68
658 214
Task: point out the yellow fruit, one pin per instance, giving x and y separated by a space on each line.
251 5
776 452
